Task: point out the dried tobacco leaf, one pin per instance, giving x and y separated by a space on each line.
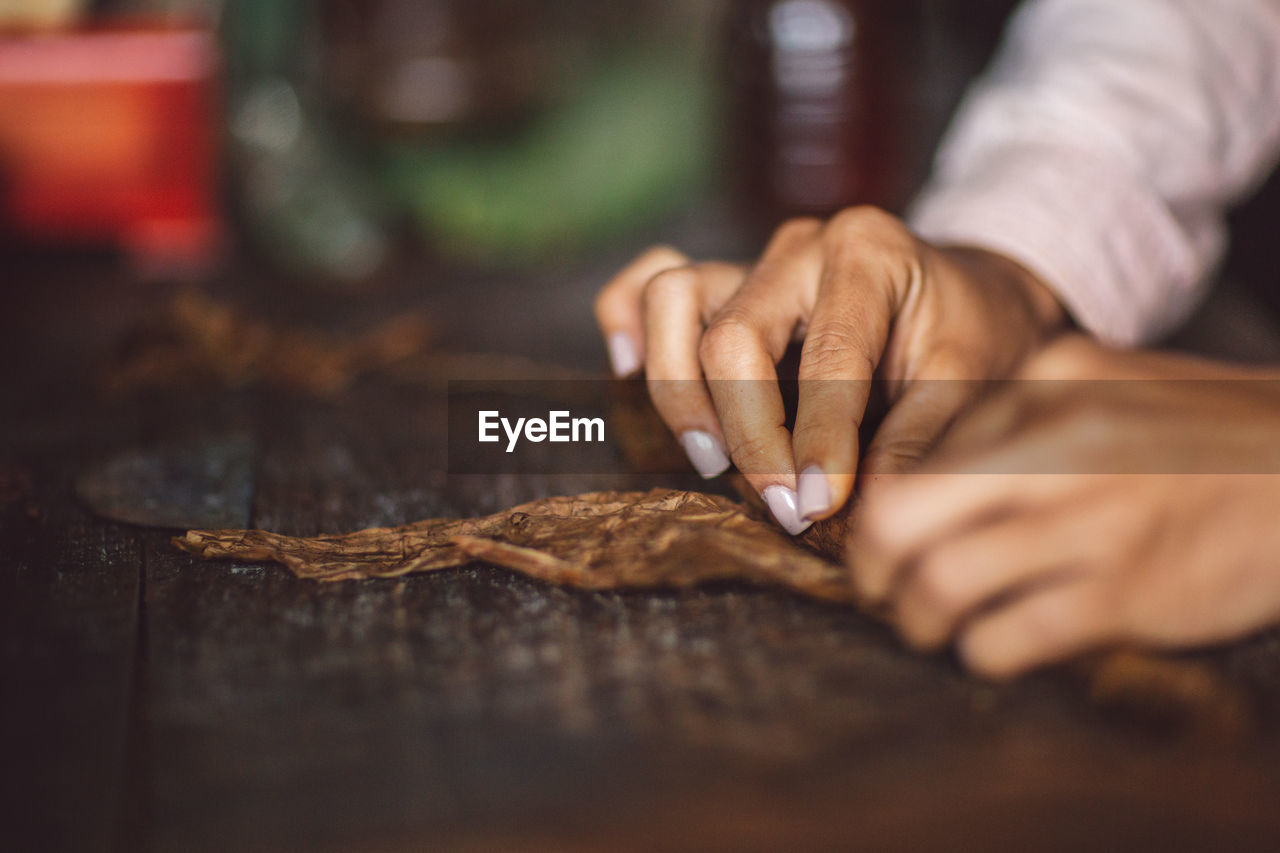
200 340
601 540
676 539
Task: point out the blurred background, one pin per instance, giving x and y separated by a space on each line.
336 148
330 140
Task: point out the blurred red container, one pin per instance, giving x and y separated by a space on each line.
108 136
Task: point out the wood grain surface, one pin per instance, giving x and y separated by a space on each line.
155 702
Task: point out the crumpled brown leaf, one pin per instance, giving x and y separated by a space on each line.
198 339
675 539
600 540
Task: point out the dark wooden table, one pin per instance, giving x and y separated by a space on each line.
152 702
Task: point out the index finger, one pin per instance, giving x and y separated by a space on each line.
739 354
857 299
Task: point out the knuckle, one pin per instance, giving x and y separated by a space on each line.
868 221
897 456
952 361
985 661
795 230
669 284
834 351
1070 357
661 254
937 587
989 654
725 340
920 629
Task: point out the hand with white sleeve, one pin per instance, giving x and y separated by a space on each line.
1089 170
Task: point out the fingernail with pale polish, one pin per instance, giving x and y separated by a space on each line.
705 453
814 494
782 503
623 354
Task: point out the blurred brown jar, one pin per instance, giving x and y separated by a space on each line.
817 106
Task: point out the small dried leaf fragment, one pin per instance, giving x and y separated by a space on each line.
1168 693
198 339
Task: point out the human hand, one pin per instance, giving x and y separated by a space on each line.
866 297
1132 503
